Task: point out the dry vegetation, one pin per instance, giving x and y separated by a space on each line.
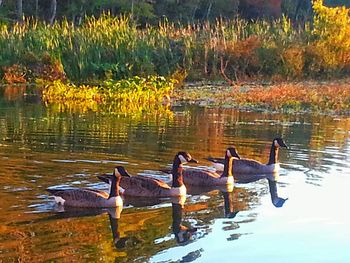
327 97
114 48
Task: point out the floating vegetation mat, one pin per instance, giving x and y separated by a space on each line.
130 96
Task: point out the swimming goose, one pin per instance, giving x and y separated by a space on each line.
206 178
90 197
249 166
150 187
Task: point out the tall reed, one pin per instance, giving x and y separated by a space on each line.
115 48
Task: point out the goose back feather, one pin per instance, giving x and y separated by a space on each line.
83 197
250 166
150 187
205 178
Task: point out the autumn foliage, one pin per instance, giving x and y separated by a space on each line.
301 96
115 47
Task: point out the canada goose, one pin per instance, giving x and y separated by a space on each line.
150 187
200 177
89 197
249 166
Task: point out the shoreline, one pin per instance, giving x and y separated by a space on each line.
307 96
329 97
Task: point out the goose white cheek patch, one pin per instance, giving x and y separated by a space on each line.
276 143
59 200
182 159
117 172
228 153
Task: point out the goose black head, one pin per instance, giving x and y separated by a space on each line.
120 171
106 178
185 157
117 173
232 152
278 142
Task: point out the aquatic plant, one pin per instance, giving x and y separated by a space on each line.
133 95
327 97
297 97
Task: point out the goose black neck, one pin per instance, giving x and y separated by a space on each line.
273 154
114 187
177 173
227 167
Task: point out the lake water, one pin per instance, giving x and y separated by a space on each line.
42 147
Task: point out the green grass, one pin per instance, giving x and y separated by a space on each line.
128 96
115 48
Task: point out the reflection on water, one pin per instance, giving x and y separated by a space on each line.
304 204
276 200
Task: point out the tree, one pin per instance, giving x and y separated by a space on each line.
252 9
53 11
36 8
19 10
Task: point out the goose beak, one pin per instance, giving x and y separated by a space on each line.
193 161
281 143
104 178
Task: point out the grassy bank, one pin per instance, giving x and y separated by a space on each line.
115 48
108 52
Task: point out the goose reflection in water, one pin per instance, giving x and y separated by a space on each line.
114 214
272 179
276 200
182 233
229 210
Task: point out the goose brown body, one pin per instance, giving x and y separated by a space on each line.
144 186
205 178
150 187
83 197
80 197
200 177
